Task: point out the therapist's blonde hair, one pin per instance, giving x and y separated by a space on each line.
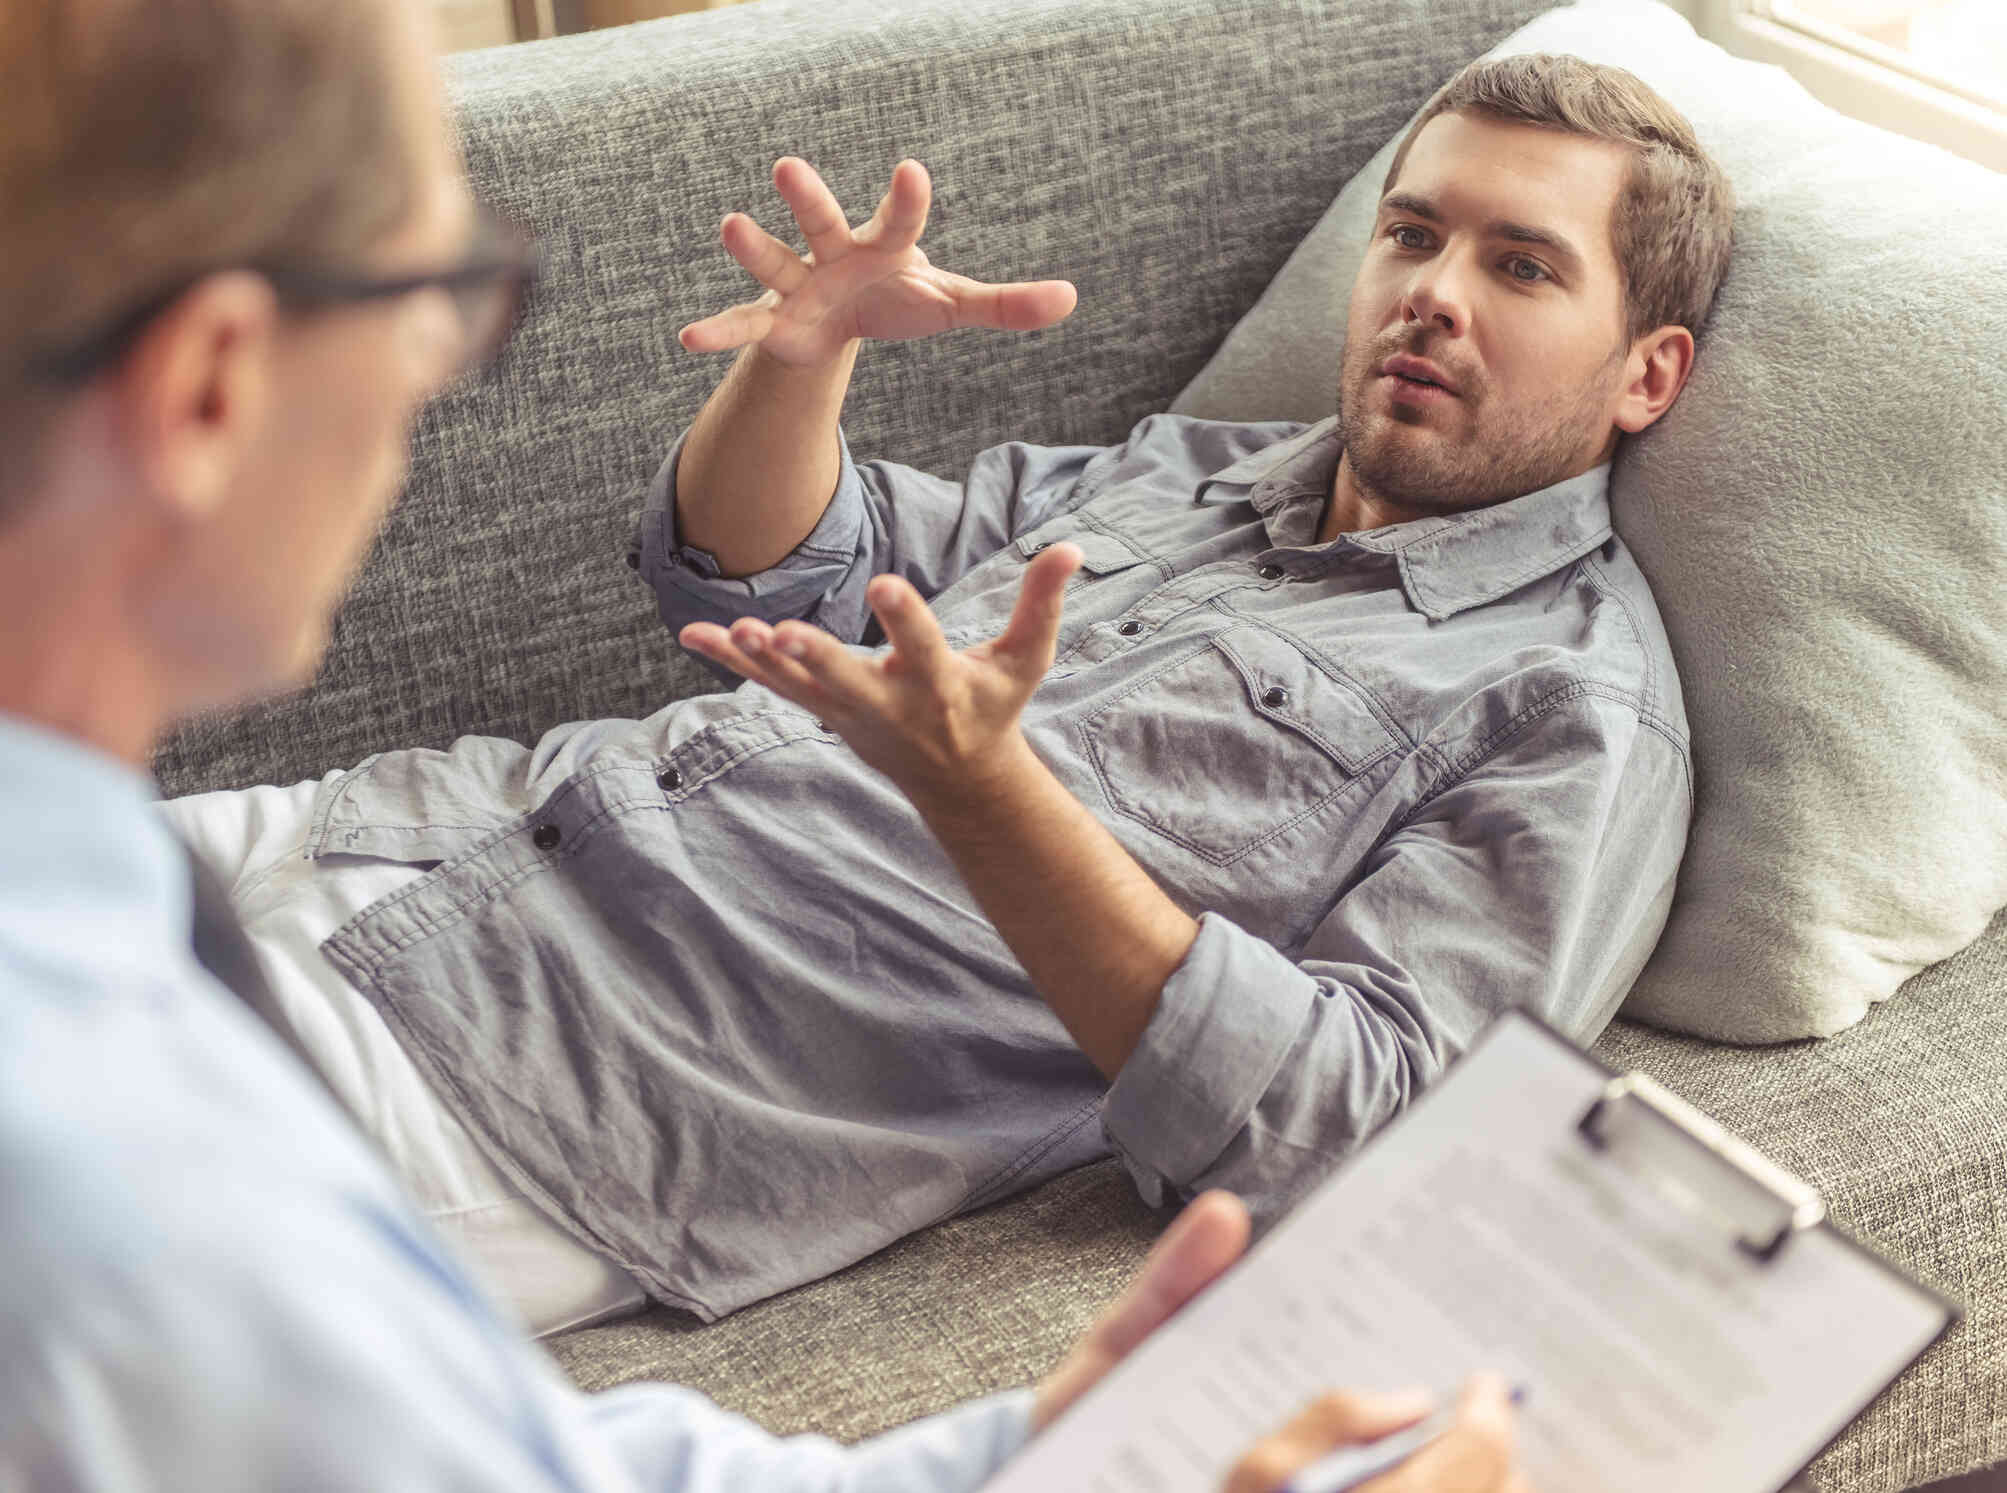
146 141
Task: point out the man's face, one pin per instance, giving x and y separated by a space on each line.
1491 263
260 583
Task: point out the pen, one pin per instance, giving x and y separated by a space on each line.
1350 1466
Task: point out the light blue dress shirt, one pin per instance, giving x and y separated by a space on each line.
210 1283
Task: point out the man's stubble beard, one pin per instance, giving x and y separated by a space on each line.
1522 453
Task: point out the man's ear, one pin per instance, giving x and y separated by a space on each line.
1653 376
194 390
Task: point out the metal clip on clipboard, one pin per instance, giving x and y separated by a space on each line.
1702 1165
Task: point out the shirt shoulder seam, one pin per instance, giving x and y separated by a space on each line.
1604 586
1462 766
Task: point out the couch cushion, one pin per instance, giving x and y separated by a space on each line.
1898 1122
979 1303
1823 517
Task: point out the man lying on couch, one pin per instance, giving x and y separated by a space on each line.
1237 775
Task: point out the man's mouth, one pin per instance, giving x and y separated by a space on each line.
1405 389
1416 377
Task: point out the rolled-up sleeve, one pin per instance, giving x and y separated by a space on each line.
882 517
1539 877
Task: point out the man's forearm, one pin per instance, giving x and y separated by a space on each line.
761 462
1096 934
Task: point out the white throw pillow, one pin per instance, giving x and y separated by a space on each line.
1823 517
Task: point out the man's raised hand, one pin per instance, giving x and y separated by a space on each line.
872 281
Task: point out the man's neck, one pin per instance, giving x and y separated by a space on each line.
1352 508
71 665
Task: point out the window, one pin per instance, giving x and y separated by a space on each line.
1956 44
1932 69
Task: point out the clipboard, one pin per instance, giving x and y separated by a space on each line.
1681 1310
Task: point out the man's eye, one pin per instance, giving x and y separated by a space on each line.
1408 236
1525 270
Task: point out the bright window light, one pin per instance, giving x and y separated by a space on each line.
1957 44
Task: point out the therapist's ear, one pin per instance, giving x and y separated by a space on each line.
192 393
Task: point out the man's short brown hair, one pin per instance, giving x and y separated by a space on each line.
146 142
1673 223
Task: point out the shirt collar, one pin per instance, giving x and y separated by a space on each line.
89 865
1447 564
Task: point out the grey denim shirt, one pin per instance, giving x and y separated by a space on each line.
704 985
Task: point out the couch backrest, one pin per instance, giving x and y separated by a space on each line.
1165 155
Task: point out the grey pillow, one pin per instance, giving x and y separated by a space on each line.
1823 516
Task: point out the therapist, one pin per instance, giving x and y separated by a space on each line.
241 254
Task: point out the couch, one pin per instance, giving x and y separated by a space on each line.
1165 155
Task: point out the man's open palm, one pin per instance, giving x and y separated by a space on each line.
933 719
872 281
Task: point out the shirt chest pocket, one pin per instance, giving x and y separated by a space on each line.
977 607
1234 745
1101 553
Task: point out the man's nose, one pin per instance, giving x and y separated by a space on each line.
1438 293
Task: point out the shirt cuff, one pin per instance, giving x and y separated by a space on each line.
688 585
1226 1019
954 1452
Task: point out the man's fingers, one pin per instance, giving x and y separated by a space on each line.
842 680
761 255
1201 1242
815 208
795 660
1476 1455
747 649
1041 598
743 648
1343 1418
910 626
728 329
1477 1452
1021 306
902 212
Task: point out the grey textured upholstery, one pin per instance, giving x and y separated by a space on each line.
1166 155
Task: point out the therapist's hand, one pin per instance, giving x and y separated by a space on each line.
873 281
1478 1454
1204 1239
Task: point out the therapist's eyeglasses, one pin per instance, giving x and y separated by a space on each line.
487 287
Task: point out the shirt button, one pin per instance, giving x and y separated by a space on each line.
669 780
546 837
1274 696
634 559
1270 572
1041 547
1130 628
